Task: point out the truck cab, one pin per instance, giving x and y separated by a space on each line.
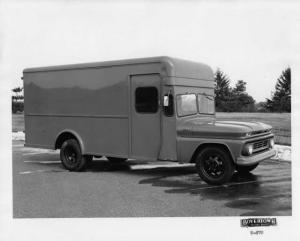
157 108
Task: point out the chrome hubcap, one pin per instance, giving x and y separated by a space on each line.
70 155
213 166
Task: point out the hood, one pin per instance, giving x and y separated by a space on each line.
199 127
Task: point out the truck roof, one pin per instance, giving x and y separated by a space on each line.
172 66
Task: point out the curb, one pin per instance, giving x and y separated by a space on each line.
283 153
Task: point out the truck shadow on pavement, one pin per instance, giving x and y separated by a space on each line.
258 194
254 193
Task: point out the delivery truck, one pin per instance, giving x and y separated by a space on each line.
157 108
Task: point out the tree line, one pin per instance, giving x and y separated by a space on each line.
17 100
227 99
236 99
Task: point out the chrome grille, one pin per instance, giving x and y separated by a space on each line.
260 145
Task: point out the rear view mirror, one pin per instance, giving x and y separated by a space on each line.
166 100
168 104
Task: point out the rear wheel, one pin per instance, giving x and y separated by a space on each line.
214 165
71 157
246 169
116 160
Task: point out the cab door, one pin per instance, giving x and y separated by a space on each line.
145 116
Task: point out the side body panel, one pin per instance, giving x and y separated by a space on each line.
93 102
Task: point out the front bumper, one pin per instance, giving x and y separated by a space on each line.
251 160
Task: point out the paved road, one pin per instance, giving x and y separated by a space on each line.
42 188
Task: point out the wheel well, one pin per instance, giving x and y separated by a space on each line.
202 146
62 137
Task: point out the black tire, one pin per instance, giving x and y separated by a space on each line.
71 157
214 165
246 169
116 160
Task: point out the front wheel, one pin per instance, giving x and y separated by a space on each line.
214 165
246 169
71 157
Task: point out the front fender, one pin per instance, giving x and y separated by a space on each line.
186 147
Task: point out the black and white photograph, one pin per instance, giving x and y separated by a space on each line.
149 120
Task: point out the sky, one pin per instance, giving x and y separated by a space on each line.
247 40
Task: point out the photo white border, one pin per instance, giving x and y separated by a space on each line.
202 228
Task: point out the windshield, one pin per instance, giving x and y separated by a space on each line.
186 104
206 104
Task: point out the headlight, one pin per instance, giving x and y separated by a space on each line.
272 143
248 149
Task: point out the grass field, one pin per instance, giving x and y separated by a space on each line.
18 122
281 123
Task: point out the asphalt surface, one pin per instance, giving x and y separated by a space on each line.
42 188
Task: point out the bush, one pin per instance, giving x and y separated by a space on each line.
17 107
